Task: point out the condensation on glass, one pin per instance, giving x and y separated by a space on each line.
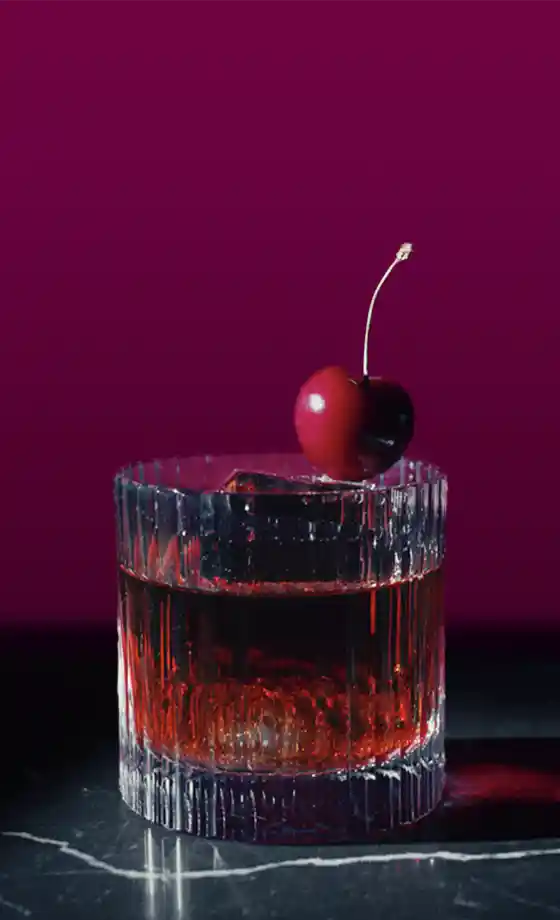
281 647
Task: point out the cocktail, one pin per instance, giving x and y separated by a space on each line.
281 646
281 650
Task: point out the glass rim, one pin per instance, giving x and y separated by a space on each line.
210 474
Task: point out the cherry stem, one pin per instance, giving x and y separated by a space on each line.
401 256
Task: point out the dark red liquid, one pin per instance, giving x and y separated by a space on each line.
296 683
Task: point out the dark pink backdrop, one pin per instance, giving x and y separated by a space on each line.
195 202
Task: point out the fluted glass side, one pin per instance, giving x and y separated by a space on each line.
281 648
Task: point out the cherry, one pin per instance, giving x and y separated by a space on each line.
349 429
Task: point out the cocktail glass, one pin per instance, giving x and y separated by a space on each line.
281 647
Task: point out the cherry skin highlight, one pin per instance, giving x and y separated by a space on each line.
352 430
328 416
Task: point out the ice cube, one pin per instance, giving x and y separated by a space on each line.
260 482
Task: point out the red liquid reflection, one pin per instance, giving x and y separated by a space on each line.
489 782
266 683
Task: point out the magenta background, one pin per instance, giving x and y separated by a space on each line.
195 203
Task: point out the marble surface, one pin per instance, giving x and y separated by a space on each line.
70 848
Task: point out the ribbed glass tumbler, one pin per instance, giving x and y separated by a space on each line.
281 647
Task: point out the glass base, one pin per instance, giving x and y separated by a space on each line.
335 807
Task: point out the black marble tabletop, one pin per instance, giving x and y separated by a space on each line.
70 848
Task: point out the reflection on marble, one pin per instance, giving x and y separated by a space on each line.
69 848
109 860
83 853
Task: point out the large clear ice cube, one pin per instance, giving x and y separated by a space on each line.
251 481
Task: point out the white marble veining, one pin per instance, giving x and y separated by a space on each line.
221 870
17 908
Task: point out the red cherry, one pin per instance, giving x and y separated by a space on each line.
349 429
328 417
352 430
